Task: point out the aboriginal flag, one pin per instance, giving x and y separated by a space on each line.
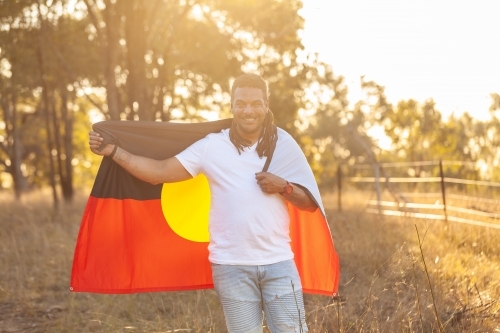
138 237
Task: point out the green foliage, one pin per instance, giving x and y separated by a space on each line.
337 130
418 132
174 60
84 161
170 59
412 128
150 60
42 50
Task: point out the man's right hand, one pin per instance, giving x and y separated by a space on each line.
149 170
95 141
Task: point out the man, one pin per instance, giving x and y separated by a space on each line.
252 262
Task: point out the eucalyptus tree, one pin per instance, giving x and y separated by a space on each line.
167 58
17 104
155 60
336 133
47 55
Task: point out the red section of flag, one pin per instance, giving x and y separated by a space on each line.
315 256
126 246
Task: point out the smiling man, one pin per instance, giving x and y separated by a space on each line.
252 261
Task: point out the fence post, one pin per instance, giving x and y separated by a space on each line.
443 192
377 185
339 188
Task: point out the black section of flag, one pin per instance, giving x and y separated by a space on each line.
112 181
143 138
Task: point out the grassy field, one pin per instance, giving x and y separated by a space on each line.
385 285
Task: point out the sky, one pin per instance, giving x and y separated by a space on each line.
440 49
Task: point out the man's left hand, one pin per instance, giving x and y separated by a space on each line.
270 183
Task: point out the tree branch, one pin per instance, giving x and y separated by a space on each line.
150 18
4 148
373 159
95 22
67 68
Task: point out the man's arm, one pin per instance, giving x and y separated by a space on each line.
270 183
146 169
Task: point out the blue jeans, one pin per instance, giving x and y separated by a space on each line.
245 291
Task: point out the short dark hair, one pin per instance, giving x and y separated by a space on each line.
250 80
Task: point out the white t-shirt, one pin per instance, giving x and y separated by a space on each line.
247 226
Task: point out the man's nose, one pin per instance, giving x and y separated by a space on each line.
248 108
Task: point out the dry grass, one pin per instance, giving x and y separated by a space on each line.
384 287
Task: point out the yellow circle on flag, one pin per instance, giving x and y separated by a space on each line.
186 206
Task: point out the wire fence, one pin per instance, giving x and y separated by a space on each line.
424 201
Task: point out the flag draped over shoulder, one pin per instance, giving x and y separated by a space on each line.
127 243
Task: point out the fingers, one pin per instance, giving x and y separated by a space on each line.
262 181
95 136
262 178
95 141
265 188
260 175
264 175
268 182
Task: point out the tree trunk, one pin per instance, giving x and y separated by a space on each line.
110 53
164 78
67 119
57 137
139 99
61 132
16 158
14 146
46 108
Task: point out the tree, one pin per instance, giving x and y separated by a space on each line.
165 59
44 69
336 134
16 98
156 60
61 41
495 102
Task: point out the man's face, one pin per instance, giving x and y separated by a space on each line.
249 109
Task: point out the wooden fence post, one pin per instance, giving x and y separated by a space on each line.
443 192
339 188
376 170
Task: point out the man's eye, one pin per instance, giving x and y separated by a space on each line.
257 105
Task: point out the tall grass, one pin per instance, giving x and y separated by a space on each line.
384 284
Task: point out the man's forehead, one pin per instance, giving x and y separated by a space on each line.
248 93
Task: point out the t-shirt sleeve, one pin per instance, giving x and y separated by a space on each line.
191 157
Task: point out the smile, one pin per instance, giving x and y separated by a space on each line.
250 119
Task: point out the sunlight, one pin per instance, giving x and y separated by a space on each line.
443 50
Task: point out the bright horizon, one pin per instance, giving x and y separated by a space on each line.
445 50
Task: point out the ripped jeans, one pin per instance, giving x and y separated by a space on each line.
245 291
